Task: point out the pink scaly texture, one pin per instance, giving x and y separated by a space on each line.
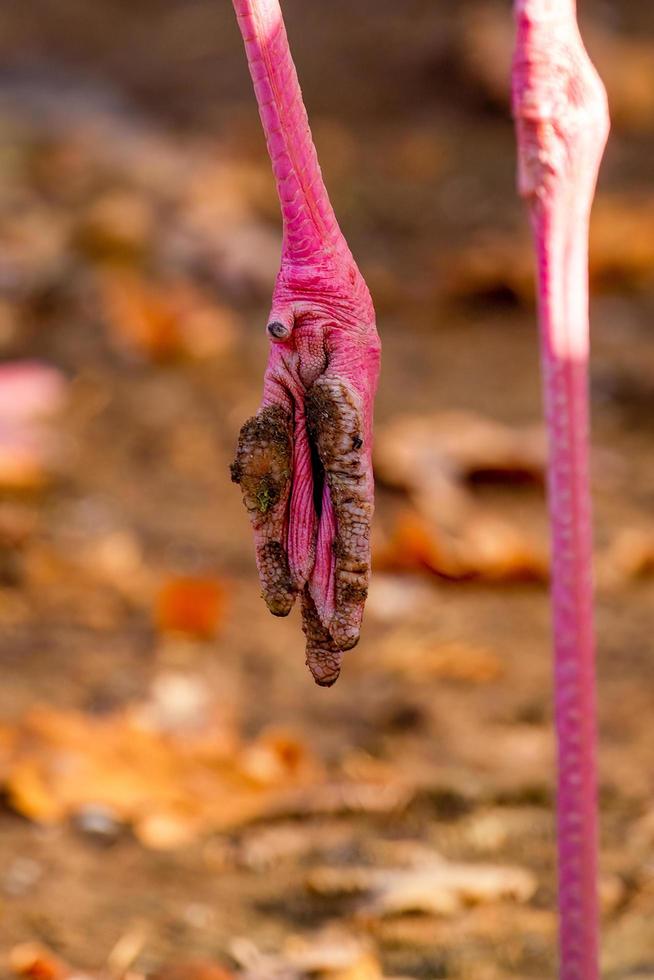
304 461
562 122
309 221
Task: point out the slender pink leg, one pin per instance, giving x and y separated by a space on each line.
304 460
562 124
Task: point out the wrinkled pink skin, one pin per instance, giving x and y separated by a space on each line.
322 329
332 335
562 123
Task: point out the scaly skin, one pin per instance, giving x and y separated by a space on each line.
562 123
304 461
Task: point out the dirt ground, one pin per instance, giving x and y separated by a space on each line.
407 811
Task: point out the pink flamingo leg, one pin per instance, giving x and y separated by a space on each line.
562 124
304 460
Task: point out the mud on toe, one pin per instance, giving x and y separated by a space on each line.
263 468
336 427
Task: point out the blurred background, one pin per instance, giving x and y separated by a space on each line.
178 799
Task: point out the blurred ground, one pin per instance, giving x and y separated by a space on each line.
175 788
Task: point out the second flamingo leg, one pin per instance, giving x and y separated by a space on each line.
562 125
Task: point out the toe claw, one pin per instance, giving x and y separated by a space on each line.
323 656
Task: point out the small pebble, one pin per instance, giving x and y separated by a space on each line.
98 822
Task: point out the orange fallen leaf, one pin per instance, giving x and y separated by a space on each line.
174 769
35 962
30 794
192 970
483 547
437 460
163 321
191 605
275 756
415 544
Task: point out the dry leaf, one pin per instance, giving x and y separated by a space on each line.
486 547
621 253
436 459
164 321
433 886
276 756
418 451
127 949
174 769
332 954
335 954
35 962
415 544
191 605
192 970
